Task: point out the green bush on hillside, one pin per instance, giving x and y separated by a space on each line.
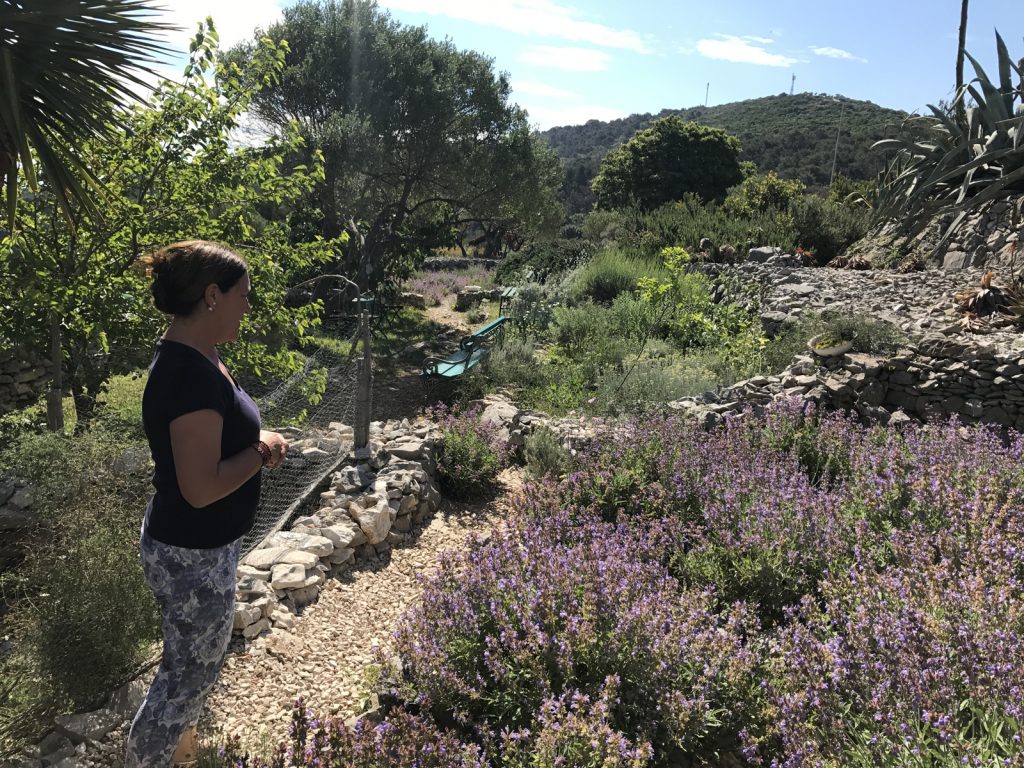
685 222
827 228
607 275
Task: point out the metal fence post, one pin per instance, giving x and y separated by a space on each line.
364 395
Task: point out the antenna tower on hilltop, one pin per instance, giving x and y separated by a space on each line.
706 91
791 84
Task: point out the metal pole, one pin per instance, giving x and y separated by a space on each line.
364 397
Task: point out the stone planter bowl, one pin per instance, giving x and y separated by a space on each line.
839 349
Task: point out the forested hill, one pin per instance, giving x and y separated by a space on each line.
793 135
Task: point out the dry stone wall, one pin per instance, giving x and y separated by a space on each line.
985 238
23 379
943 370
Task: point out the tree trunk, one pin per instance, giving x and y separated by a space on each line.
958 97
55 397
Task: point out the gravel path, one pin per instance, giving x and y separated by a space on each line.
326 655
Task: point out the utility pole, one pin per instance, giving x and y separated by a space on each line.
792 83
706 91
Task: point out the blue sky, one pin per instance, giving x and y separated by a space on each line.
573 61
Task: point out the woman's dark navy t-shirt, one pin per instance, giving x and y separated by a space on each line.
182 380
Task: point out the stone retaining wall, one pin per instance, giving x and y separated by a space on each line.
372 504
23 379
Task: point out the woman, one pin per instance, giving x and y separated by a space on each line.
208 450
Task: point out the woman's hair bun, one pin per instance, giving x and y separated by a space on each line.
182 271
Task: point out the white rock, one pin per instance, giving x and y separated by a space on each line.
341 556
246 614
264 559
254 629
375 522
317 545
288 576
299 557
342 536
89 726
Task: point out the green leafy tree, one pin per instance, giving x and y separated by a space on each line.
173 172
664 162
763 194
66 69
418 137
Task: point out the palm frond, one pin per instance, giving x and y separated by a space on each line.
67 68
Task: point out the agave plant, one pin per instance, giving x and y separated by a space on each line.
945 165
65 68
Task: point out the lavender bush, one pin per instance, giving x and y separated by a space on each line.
470 453
437 286
517 637
792 590
402 741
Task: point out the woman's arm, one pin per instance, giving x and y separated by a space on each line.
203 476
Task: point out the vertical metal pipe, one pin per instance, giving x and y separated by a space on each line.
364 395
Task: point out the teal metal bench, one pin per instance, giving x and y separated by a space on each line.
471 352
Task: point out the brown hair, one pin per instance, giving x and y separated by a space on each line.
182 271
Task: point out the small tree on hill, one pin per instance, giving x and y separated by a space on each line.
667 160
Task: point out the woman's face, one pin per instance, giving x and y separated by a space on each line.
233 306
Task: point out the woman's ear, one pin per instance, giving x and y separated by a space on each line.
211 295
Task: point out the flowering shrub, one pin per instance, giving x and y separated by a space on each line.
470 453
437 286
794 591
402 741
888 562
520 634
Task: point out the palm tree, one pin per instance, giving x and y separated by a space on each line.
66 68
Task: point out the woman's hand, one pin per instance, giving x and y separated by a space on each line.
278 447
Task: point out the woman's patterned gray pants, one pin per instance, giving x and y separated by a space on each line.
195 589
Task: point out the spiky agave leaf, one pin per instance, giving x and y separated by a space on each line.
946 165
66 68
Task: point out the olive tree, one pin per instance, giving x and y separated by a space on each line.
418 137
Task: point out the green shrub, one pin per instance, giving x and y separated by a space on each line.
541 260
469 454
634 319
869 337
602 227
762 194
607 275
532 310
565 387
544 453
825 227
514 363
650 382
685 222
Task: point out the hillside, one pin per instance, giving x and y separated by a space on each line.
792 135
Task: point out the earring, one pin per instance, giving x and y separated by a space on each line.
211 307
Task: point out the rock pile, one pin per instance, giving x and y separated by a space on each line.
470 296
22 379
944 370
371 505
984 239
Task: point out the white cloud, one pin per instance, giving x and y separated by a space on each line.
760 40
544 117
234 20
534 18
837 53
743 51
531 88
566 59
